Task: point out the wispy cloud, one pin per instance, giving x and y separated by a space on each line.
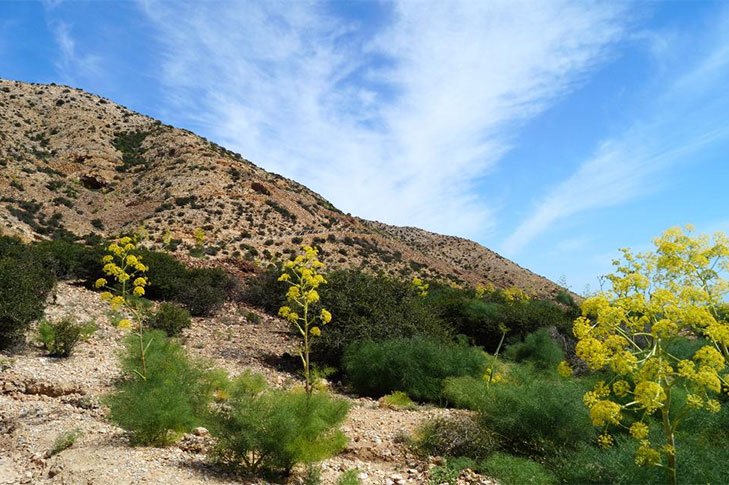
688 114
70 64
393 123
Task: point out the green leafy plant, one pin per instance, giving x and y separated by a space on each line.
64 441
654 298
271 430
417 366
513 470
538 348
350 477
25 283
61 336
397 400
170 318
170 399
303 277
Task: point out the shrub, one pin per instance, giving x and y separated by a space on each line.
60 337
265 290
512 470
397 399
480 318
25 282
415 365
201 290
375 308
253 318
530 411
350 477
538 348
271 430
172 398
64 441
70 260
170 318
453 437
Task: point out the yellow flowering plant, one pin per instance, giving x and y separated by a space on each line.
675 292
303 277
126 283
420 286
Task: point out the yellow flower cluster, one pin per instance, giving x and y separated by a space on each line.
302 274
655 297
122 265
420 286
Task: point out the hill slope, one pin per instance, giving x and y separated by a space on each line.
73 161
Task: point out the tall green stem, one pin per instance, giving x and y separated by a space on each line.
668 431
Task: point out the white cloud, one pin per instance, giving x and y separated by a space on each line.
688 114
393 125
71 65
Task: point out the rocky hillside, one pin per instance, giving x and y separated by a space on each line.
74 162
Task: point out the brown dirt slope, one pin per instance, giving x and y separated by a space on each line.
73 161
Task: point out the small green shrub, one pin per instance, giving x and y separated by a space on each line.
170 318
70 260
201 290
512 470
536 413
64 441
453 437
266 291
417 366
376 308
60 337
271 430
465 392
538 348
397 399
173 397
25 283
350 477
253 318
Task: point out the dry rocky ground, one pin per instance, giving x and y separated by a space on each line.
41 397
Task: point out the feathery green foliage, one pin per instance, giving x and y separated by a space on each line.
171 400
417 366
61 336
271 430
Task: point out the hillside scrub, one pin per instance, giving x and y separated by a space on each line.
170 400
264 430
25 283
417 366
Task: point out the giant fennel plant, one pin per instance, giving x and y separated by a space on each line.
677 291
125 270
304 277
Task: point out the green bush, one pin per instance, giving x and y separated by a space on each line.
375 308
271 430
512 470
397 400
538 348
453 437
253 318
72 261
535 413
265 291
170 318
481 319
170 401
201 290
64 441
465 392
25 283
417 366
60 337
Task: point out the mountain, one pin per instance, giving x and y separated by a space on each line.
73 162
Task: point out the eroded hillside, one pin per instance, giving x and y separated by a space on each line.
72 161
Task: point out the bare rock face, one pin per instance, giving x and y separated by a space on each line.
98 167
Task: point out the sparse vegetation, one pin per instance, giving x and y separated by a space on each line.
60 337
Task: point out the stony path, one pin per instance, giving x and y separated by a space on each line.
41 397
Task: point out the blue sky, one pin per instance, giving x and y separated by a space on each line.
552 132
